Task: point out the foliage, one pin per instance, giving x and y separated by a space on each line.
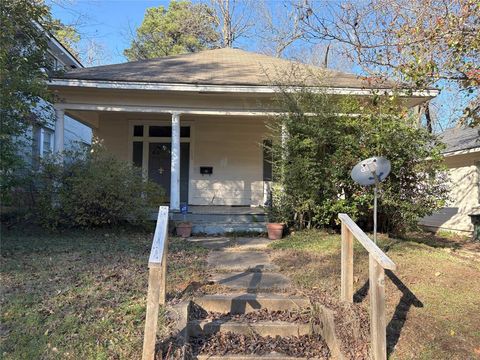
67 35
314 162
181 28
22 62
424 42
91 189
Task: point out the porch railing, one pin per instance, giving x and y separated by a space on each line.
157 282
378 261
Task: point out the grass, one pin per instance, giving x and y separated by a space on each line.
82 294
442 272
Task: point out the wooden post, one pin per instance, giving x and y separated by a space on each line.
378 331
347 265
151 318
163 284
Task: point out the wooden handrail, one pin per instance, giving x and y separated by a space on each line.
157 282
378 261
367 243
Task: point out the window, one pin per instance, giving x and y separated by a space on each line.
267 160
43 142
138 130
137 153
166 131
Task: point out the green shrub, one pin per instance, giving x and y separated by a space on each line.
314 162
92 188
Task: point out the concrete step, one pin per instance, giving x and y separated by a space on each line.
252 281
240 261
273 356
260 328
221 218
215 228
245 303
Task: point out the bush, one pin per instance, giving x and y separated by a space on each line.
91 189
314 163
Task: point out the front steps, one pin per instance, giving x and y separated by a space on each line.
218 223
246 303
242 315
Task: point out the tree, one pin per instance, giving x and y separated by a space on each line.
422 42
235 19
23 46
67 35
181 28
313 163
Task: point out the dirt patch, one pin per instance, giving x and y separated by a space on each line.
309 346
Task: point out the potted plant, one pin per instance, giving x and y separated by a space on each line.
275 224
184 229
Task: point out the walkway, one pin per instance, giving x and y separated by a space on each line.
243 264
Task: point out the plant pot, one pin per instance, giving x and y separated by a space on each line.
184 229
275 230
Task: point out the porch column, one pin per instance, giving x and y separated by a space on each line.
59 145
175 167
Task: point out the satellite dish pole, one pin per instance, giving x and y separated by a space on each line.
368 172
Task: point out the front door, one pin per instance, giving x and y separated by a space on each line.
159 167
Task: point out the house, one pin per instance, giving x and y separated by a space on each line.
462 158
195 123
74 133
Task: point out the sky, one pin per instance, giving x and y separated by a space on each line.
110 24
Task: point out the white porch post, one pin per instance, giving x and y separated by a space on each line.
59 145
175 167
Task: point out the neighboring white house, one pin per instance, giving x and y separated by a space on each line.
196 123
75 134
462 157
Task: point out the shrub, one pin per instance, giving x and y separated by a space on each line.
314 162
91 189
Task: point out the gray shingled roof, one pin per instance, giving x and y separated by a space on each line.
458 139
223 67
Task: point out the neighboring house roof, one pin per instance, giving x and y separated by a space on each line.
225 67
59 50
460 139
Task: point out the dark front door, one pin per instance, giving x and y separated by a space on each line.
159 167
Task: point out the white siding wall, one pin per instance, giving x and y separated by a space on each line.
233 149
113 132
464 195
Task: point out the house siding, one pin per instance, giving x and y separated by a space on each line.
233 149
463 171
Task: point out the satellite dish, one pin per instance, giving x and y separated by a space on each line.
368 172
363 173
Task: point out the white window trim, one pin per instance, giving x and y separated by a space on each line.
41 142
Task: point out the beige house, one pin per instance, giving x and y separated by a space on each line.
462 157
195 123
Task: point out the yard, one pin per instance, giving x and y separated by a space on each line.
81 294
433 302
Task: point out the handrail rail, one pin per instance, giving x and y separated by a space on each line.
367 243
159 238
378 261
157 282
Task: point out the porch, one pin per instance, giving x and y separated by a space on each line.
214 220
